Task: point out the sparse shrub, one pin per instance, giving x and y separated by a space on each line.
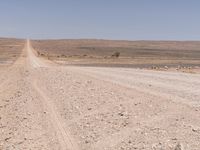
38 53
116 54
63 55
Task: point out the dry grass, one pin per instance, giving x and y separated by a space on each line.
10 49
133 53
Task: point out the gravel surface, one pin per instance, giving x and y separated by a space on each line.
45 106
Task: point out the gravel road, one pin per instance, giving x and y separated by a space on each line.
47 106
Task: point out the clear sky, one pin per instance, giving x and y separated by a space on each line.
101 19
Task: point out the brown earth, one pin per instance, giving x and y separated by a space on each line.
133 54
10 50
44 105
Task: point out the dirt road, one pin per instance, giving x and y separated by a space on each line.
46 106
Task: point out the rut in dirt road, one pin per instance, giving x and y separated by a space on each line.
63 133
23 124
64 136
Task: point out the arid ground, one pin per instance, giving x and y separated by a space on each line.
132 54
51 97
10 49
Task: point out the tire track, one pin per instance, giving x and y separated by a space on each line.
63 133
66 141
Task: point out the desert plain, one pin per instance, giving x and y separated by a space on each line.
99 95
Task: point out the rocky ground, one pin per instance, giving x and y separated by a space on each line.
45 106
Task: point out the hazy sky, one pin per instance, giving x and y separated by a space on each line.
107 19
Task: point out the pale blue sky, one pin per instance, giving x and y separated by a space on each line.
101 19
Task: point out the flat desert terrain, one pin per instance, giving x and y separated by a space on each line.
55 97
109 53
10 49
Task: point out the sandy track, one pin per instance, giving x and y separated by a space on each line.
181 87
63 134
97 108
24 121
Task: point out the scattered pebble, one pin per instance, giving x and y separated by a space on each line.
178 147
